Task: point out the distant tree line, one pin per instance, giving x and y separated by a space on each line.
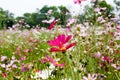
61 12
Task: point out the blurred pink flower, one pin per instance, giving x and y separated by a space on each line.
26 50
4 75
59 43
118 28
18 51
22 58
49 21
78 1
14 66
97 9
107 59
93 1
97 55
71 22
3 58
25 67
115 18
49 12
104 8
1 42
52 24
55 63
44 60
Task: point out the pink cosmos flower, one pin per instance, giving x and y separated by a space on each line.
97 55
4 75
26 50
33 40
55 63
49 21
115 18
71 22
22 58
107 59
25 67
51 60
59 43
93 1
3 58
104 8
97 9
52 24
78 1
1 42
118 28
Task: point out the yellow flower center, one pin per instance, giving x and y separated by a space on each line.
89 78
63 49
56 63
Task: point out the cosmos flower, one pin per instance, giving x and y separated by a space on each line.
52 24
60 44
107 59
51 60
78 1
97 9
97 55
55 63
118 28
4 75
3 58
49 21
26 50
26 67
90 77
71 21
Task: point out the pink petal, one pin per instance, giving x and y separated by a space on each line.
43 60
54 42
61 65
61 38
50 59
70 45
68 38
52 25
55 50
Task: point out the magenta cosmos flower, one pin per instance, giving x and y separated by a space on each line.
52 24
78 1
60 44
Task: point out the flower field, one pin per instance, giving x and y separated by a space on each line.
60 53
80 51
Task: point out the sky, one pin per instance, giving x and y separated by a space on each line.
19 7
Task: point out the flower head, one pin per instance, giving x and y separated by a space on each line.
55 63
60 42
52 24
90 77
118 28
78 1
4 75
51 60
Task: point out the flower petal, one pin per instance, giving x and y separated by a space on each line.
52 25
55 50
68 38
61 38
70 45
51 59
